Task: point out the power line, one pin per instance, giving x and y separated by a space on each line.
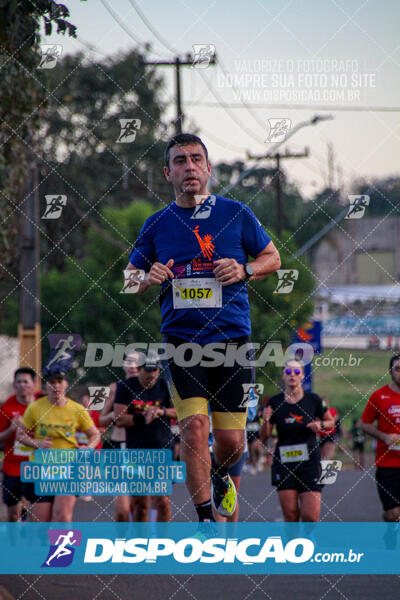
248 106
313 121
228 111
153 30
124 27
210 87
327 107
177 63
278 156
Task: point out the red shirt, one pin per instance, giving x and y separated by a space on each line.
324 432
11 461
384 406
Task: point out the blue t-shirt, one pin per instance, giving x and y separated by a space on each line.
195 237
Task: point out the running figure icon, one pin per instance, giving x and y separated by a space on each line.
63 345
62 549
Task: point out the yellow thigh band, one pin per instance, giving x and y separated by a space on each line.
190 406
229 420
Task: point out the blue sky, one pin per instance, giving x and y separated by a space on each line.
284 41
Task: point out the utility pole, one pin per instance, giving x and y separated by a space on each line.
29 329
277 156
177 63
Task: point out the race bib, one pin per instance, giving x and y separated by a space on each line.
20 450
252 426
296 453
196 293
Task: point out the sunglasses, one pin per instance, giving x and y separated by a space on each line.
295 371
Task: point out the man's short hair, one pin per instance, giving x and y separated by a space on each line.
25 371
182 139
394 358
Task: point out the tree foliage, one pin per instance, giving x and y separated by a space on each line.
23 97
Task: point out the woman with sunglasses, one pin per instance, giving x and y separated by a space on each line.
296 468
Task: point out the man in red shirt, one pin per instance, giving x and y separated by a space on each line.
14 453
384 407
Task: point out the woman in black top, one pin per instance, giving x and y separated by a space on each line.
296 468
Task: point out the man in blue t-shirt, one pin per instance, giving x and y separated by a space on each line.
197 250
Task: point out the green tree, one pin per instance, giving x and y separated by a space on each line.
23 97
81 155
85 297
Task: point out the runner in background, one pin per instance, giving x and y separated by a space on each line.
328 440
269 443
143 406
296 470
123 505
255 446
358 438
25 383
52 422
383 407
235 471
81 436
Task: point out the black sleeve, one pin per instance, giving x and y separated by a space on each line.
122 395
272 403
320 409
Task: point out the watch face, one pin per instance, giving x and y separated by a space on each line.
249 270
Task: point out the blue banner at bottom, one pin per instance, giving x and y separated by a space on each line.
194 548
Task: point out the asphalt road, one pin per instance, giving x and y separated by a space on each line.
351 498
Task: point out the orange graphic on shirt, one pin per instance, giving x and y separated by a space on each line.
206 245
297 418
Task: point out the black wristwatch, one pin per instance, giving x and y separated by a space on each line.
249 271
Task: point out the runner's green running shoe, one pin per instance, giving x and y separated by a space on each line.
223 495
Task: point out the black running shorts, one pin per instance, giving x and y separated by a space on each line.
388 483
299 476
194 388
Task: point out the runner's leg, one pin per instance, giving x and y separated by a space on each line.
14 512
392 515
122 508
142 505
163 506
195 453
310 506
63 508
41 511
289 503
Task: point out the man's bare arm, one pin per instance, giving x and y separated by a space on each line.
387 438
266 263
229 271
